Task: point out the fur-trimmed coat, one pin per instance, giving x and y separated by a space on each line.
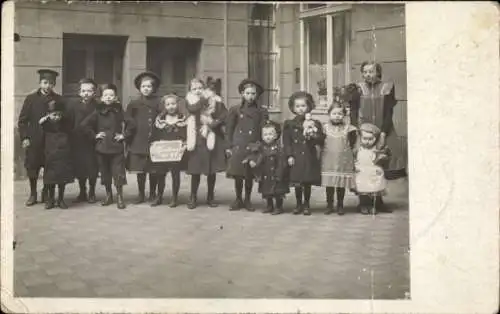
206 143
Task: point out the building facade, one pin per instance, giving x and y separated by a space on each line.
286 46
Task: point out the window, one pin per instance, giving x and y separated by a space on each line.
324 53
262 52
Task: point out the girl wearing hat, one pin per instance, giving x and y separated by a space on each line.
301 138
205 138
141 113
270 167
58 167
337 160
170 125
244 125
370 163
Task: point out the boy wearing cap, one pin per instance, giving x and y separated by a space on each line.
141 114
243 127
35 107
83 148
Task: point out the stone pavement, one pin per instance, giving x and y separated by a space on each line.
91 251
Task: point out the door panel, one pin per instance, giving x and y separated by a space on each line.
96 57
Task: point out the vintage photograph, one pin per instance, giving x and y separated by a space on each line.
225 150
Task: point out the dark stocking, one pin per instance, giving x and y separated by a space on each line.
238 188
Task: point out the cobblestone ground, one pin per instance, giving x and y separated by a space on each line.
91 251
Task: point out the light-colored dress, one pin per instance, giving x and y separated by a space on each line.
370 178
337 158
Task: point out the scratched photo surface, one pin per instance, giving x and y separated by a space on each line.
310 244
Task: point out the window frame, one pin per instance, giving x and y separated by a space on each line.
329 12
274 53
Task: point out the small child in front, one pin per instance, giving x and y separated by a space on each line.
270 168
58 167
106 125
369 164
170 125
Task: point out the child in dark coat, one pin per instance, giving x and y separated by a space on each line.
141 114
243 126
35 106
270 167
170 125
301 140
106 126
84 155
206 143
58 167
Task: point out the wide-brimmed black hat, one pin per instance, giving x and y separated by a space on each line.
138 79
48 74
273 124
247 81
301 94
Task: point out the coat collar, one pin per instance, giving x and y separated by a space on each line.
105 109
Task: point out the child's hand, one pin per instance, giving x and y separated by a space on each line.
252 164
229 153
119 137
26 143
100 135
291 161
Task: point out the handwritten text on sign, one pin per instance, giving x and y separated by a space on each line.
165 151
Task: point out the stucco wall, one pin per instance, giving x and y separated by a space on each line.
41 28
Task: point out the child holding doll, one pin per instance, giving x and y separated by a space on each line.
205 138
302 138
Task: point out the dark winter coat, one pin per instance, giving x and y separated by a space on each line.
58 167
243 127
201 160
165 132
307 166
271 169
35 106
83 147
141 114
110 120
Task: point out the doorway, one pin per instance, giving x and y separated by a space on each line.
98 57
175 61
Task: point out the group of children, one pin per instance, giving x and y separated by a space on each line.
90 136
